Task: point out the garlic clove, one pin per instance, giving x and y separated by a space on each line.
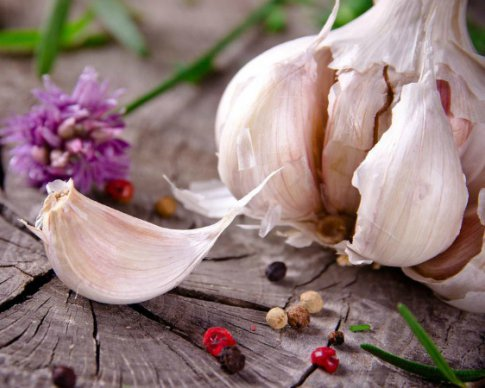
413 192
352 130
278 123
461 285
111 257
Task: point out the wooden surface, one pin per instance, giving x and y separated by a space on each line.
158 343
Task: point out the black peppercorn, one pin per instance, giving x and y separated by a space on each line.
276 271
232 360
336 338
63 376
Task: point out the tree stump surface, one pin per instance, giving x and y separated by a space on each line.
159 342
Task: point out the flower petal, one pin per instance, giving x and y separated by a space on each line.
411 184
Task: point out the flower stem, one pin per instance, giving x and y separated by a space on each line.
426 371
203 64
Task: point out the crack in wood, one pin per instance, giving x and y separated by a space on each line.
9 241
17 268
158 319
12 218
315 277
2 171
224 300
14 339
97 343
227 258
29 290
309 371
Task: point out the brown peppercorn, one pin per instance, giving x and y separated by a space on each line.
63 376
336 338
298 317
166 206
232 360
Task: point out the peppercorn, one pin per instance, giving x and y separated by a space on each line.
325 358
120 190
166 206
312 301
276 271
232 360
298 317
216 339
63 376
277 318
336 338
343 261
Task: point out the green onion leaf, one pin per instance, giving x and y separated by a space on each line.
18 40
50 38
358 328
429 345
423 370
477 35
116 18
24 41
276 20
77 28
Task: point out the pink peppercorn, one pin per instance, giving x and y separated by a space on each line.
325 358
216 339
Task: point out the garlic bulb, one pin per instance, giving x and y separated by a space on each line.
379 128
111 257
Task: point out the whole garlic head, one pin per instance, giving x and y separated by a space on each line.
380 122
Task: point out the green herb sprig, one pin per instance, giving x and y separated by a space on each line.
50 38
442 372
203 65
426 371
359 328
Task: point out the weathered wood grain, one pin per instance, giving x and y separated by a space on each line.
158 343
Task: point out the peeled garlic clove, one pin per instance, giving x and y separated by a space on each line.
458 274
413 191
111 257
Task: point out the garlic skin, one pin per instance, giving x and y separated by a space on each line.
111 257
465 289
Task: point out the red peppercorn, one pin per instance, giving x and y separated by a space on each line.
216 339
120 190
325 358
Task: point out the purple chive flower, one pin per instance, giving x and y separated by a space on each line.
70 135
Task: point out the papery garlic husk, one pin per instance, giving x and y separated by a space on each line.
111 257
458 274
